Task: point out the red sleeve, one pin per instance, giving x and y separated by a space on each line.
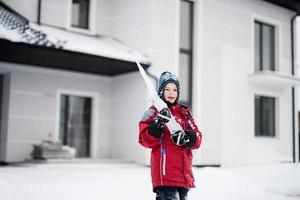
198 133
145 139
194 127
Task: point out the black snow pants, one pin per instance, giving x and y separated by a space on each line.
171 193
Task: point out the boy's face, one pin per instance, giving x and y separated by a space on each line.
171 92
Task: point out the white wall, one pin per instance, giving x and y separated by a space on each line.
28 9
104 17
54 12
33 108
151 27
128 105
227 95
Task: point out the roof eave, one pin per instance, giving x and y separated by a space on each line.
41 56
293 5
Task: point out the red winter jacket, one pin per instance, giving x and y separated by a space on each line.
171 165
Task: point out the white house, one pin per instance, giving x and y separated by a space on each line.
75 61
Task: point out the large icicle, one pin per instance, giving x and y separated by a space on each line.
159 104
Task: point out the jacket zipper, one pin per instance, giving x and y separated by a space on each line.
164 155
162 164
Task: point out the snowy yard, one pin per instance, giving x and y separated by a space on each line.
115 181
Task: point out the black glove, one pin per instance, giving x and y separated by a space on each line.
155 127
185 139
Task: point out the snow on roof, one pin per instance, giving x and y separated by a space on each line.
16 28
97 45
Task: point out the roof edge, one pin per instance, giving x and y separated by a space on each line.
41 56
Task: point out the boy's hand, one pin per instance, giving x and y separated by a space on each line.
156 126
161 118
185 139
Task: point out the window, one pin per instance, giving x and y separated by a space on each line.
186 51
80 14
264 116
264 46
75 123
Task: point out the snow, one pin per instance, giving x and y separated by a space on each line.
115 181
105 46
101 45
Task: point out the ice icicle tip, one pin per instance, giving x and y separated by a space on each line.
146 78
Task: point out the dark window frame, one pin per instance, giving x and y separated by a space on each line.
87 26
189 53
259 124
261 56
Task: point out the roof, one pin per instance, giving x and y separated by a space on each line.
25 42
293 5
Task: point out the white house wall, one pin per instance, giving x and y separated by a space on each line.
228 97
62 10
151 26
128 106
28 9
59 7
33 107
104 17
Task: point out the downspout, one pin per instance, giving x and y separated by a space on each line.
293 88
39 12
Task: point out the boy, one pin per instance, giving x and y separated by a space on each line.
171 155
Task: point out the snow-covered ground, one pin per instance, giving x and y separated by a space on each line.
115 181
